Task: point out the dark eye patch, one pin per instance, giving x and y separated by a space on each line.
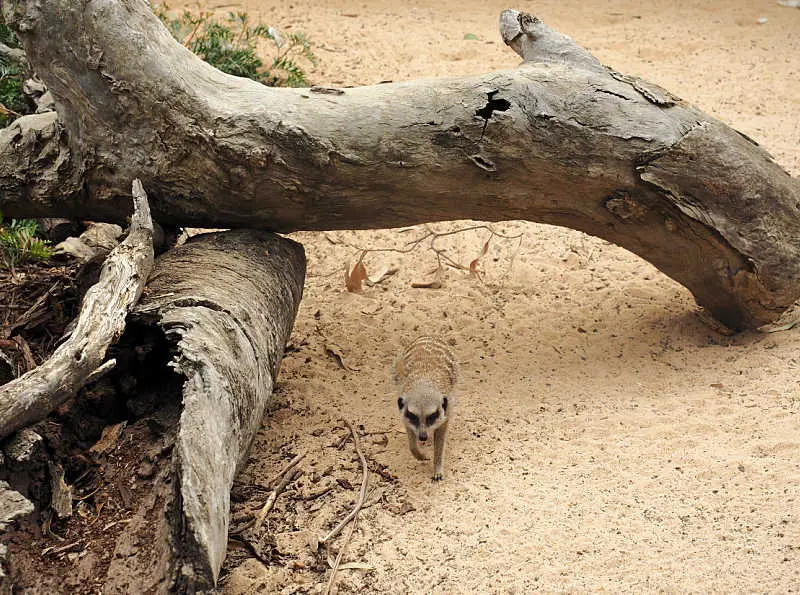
400 403
431 419
444 403
412 418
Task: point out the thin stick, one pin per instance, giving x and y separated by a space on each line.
26 316
289 466
273 495
104 369
354 514
25 349
339 556
288 477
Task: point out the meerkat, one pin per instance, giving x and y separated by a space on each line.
425 374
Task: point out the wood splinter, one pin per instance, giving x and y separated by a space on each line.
101 321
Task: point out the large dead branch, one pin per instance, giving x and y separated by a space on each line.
559 140
101 322
227 301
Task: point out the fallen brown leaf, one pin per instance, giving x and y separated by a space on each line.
473 266
354 280
335 352
108 440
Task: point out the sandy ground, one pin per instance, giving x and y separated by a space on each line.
606 437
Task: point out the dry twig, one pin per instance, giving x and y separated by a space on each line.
288 476
289 466
273 495
28 315
354 514
25 349
442 257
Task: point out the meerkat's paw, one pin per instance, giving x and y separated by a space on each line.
437 476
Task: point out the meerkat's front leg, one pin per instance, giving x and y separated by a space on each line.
414 447
438 451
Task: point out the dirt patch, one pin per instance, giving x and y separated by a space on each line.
112 443
606 437
37 302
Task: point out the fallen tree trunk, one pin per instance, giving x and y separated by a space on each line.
560 140
227 302
100 323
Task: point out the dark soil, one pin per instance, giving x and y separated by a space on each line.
112 441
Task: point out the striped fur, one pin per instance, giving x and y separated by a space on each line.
427 358
425 374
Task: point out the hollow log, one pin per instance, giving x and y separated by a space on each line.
560 140
227 302
100 323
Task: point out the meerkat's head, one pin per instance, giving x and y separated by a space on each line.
423 409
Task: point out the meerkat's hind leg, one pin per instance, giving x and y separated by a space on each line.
438 452
414 447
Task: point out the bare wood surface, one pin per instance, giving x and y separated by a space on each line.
559 140
101 322
228 302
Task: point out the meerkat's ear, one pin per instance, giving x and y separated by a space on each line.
444 404
400 403
398 370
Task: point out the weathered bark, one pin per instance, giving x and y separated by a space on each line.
13 56
560 140
36 163
101 321
228 302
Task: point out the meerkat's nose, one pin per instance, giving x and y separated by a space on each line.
423 436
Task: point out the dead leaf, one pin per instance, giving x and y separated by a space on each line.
345 483
435 284
383 274
60 492
108 440
400 509
355 566
354 279
473 266
313 542
350 565
335 352
371 309
773 328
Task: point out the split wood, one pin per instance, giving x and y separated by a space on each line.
354 514
100 323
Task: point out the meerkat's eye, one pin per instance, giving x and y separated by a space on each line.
444 404
431 419
400 403
412 418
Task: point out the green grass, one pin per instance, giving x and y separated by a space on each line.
233 45
12 101
20 242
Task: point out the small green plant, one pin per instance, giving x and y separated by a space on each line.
19 242
232 46
12 101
